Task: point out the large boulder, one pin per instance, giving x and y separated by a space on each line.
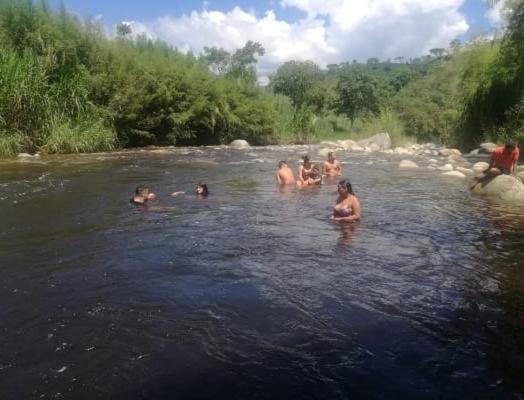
239 144
382 141
407 164
465 171
487 148
480 167
447 167
505 187
448 152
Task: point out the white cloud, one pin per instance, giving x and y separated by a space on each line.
496 14
332 30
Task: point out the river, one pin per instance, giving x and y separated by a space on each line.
254 293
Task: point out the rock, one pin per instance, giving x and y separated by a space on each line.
453 174
239 144
505 187
375 147
455 158
324 152
487 148
520 175
480 167
465 171
407 164
25 155
355 147
474 152
401 150
520 168
447 167
433 161
382 140
431 167
448 152
345 144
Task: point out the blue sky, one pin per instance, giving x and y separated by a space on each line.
116 11
324 31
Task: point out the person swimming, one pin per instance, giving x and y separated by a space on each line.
347 207
142 195
202 190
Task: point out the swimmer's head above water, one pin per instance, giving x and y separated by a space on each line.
307 162
344 188
201 190
142 195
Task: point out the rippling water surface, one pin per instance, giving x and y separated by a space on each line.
254 292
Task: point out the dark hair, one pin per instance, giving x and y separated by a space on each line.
281 163
140 190
347 184
510 145
330 154
205 191
306 160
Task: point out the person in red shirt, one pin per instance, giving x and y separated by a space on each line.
503 161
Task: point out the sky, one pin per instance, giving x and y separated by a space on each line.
323 31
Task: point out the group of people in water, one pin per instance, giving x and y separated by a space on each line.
346 208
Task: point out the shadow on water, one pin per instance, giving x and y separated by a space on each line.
254 292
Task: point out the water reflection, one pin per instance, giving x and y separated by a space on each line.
348 231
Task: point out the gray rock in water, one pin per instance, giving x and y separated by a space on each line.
407 164
381 141
448 152
505 187
453 174
487 148
239 143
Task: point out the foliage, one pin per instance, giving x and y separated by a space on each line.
358 94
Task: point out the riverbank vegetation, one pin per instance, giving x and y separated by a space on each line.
67 86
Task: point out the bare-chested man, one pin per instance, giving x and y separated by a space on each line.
284 175
332 166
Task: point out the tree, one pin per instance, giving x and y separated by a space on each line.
219 60
437 52
243 60
358 94
123 30
297 80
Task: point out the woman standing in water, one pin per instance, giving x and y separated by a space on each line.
348 206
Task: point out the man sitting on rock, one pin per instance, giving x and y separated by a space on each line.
503 161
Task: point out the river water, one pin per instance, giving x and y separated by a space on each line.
254 293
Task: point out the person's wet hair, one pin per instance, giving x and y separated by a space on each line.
347 184
510 145
330 154
141 190
306 160
281 164
205 191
